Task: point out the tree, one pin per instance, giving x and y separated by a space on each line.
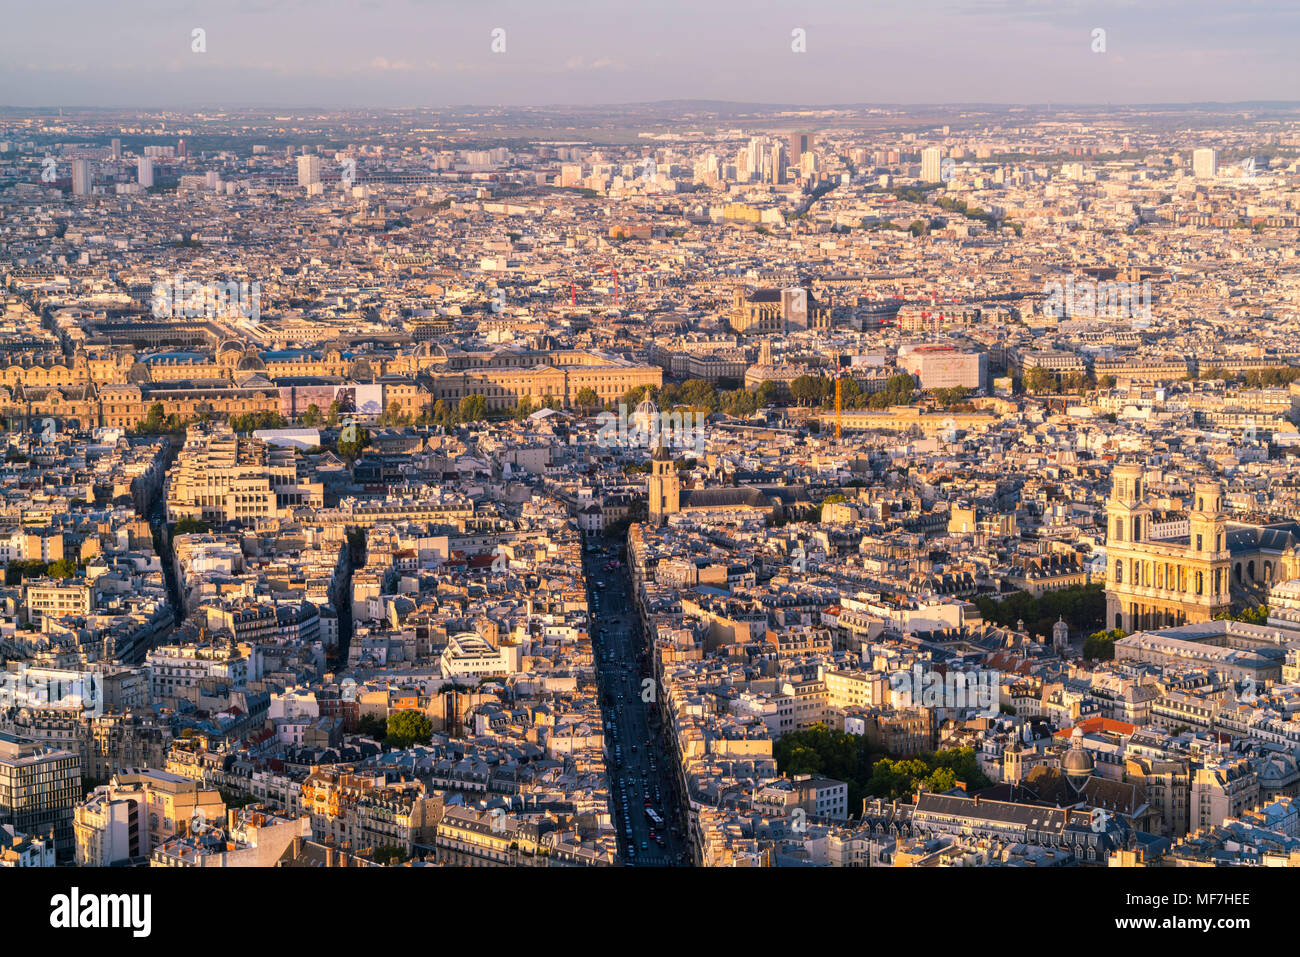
806 390
372 726
441 414
1101 644
406 728
472 408
252 421
587 400
390 854
155 419
353 440
63 568
312 417
332 417
188 525
898 390
1039 380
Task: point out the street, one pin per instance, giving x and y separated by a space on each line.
645 801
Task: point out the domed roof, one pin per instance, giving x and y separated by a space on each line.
1077 762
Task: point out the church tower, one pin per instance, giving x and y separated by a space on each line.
663 486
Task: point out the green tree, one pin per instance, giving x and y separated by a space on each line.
406 728
312 417
63 568
587 400
807 390
353 440
1039 380
1100 645
154 421
372 726
472 408
188 525
390 854
898 390
441 414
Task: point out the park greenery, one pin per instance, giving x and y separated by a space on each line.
407 728
1100 645
1083 607
19 569
818 750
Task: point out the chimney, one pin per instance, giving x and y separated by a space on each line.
297 847
330 855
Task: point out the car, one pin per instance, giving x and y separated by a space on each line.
644 846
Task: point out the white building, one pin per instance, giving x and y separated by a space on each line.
308 170
1205 163
931 161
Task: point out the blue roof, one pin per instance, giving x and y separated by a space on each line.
277 355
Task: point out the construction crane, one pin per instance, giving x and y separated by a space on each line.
614 270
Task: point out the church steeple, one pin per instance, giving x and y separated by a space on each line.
663 487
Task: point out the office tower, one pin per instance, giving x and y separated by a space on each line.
39 787
931 159
81 177
1204 163
182 151
144 171
778 163
308 170
800 143
117 150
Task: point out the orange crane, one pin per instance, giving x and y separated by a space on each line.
614 270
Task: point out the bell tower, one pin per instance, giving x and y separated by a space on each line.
663 487
1128 525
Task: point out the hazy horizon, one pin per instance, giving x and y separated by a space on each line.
411 54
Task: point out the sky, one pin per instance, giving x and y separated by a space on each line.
433 53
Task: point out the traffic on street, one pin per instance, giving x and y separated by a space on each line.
646 804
